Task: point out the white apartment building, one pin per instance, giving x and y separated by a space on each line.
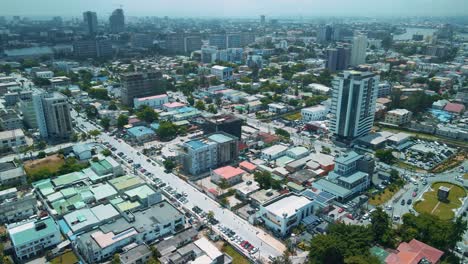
398 117
16 206
221 72
12 139
314 113
358 51
155 101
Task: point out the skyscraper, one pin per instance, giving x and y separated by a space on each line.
324 34
53 115
262 19
140 84
117 21
338 58
358 52
353 104
218 40
90 22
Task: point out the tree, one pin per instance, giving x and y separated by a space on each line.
223 184
91 111
265 180
94 133
385 155
381 228
41 145
122 121
283 259
212 109
200 105
169 164
105 123
41 155
360 259
282 133
147 114
112 106
116 259
98 93
106 152
190 100
210 215
166 130
224 202
325 249
41 82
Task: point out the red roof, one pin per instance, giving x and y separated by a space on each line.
173 105
268 138
247 165
454 108
413 252
228 172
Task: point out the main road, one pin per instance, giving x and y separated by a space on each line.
268 245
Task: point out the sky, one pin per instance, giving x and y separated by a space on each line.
237 8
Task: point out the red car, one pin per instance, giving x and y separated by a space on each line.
350 216
243 243
340 210
414 194
250 248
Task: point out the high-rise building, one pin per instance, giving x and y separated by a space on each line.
53 115
233 40
209 54
93 48
175 42
324 34
218 40
90 22
223 123
192 43
140 84
117 21
353 104
142 40
247 38
338 58
358 52
262 19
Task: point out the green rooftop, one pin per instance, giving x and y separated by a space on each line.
127 206
125 182
68 178
26 233
101 167
142 192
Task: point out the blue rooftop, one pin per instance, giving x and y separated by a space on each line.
185 109
154 126
195 144
139 131
220 138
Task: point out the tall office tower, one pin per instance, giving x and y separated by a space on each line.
353 104
93 48
117 21
192 43
218 40
233 40
142 40
358 52
262 19
140 84
338 58
247 38
324 34
90 22
53 115
337 34
175 42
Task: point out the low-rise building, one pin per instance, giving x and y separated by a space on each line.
33 237
141 133
12 174
314 113
414 252
277 108
398 117
10 120
284 213
135 254
155 101
222 73
16 205
229 174
274 152
12 139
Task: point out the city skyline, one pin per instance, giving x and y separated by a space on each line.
211 8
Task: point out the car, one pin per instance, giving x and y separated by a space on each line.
389 207
340 210
250 248
243 243
402 201
409 201
254 250
414 194
350 216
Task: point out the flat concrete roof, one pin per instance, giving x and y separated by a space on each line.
287 205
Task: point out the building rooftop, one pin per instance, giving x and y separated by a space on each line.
247 165
11 134
25 232
414 252
287 205
331 187
134 254
354 177
228 172
140 131
275 149
174 104
195 144
220 138
141 192
125 182
454 108
103 191
141 99
348 158
210 250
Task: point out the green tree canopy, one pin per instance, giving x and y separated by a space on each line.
122 121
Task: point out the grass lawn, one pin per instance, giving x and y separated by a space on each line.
67 258
52 163
465 176
293 117
443 210
237 258
382 197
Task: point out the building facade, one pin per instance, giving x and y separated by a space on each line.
398 117
117 21
140 84
90 22
358 51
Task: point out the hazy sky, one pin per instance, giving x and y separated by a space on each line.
237 8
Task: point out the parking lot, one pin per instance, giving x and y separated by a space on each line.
426 154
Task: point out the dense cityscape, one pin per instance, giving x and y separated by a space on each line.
128 139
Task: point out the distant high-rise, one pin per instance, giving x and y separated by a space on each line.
192 43
90 22
117 21
247 38
233 40
53 115
140 84
353 104
218 40
93 48
338 58
262 19
358 52
324 34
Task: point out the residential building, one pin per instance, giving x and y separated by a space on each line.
314 113
135 254
146 226
53 115
101 48
12 139
277 108
12 174
398 117
324 34
385 89
117 21
44 74
348 177
338 58
414 251
218 40
90 22
353 104
140 84
142 40
229 174
273 152
10 119
192 43
155 101
33 237
358 51
205 153
282 214
222 73
16 205
141 134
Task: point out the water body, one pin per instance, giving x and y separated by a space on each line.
415 31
